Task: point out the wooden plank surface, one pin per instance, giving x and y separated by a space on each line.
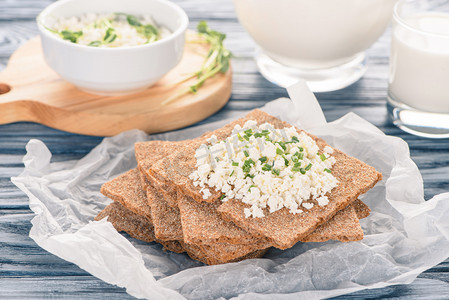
27 271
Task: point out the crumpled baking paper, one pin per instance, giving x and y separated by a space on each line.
404 235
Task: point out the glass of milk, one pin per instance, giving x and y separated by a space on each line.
418 91
320 41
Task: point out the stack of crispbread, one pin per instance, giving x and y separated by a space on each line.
158 202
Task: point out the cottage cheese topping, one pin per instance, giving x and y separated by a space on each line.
266 168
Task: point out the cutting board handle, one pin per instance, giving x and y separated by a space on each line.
4 88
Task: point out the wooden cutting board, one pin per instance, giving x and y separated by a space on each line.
31 91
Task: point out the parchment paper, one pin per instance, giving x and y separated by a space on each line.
404 235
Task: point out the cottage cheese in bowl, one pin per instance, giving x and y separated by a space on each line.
109 30
112 47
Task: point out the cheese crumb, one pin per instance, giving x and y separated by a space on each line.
267 168
307 205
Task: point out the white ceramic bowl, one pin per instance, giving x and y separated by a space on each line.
113 71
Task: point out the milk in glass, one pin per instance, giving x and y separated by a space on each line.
419 64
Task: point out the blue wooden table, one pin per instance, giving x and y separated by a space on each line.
27 271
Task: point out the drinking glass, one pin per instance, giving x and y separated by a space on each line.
418 90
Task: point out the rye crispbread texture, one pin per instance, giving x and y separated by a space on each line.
167 180
216 252
282 228
202 224
128 191
344 227
166 219
138 227
149 152
362 210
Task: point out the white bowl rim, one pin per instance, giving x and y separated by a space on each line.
180 30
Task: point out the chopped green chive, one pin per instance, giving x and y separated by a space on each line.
246 153
231 173
263 159
239 137
282 144
279 151
295 139
302 171
133 21
251 186
301 156
301 149
248 132
249 175
247 165
223 196
71 35
297 165
296 169
285 161
246 137
266 167
250 162
235 164
95 44
110 35
276 171
327 170
217 159
309 166
322 156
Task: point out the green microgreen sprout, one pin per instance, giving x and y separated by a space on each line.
217 61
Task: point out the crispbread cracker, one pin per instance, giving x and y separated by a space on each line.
149 152
127 189
207 255
282 228
362 210
201 224
344 227
166 219
136 226
141 228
